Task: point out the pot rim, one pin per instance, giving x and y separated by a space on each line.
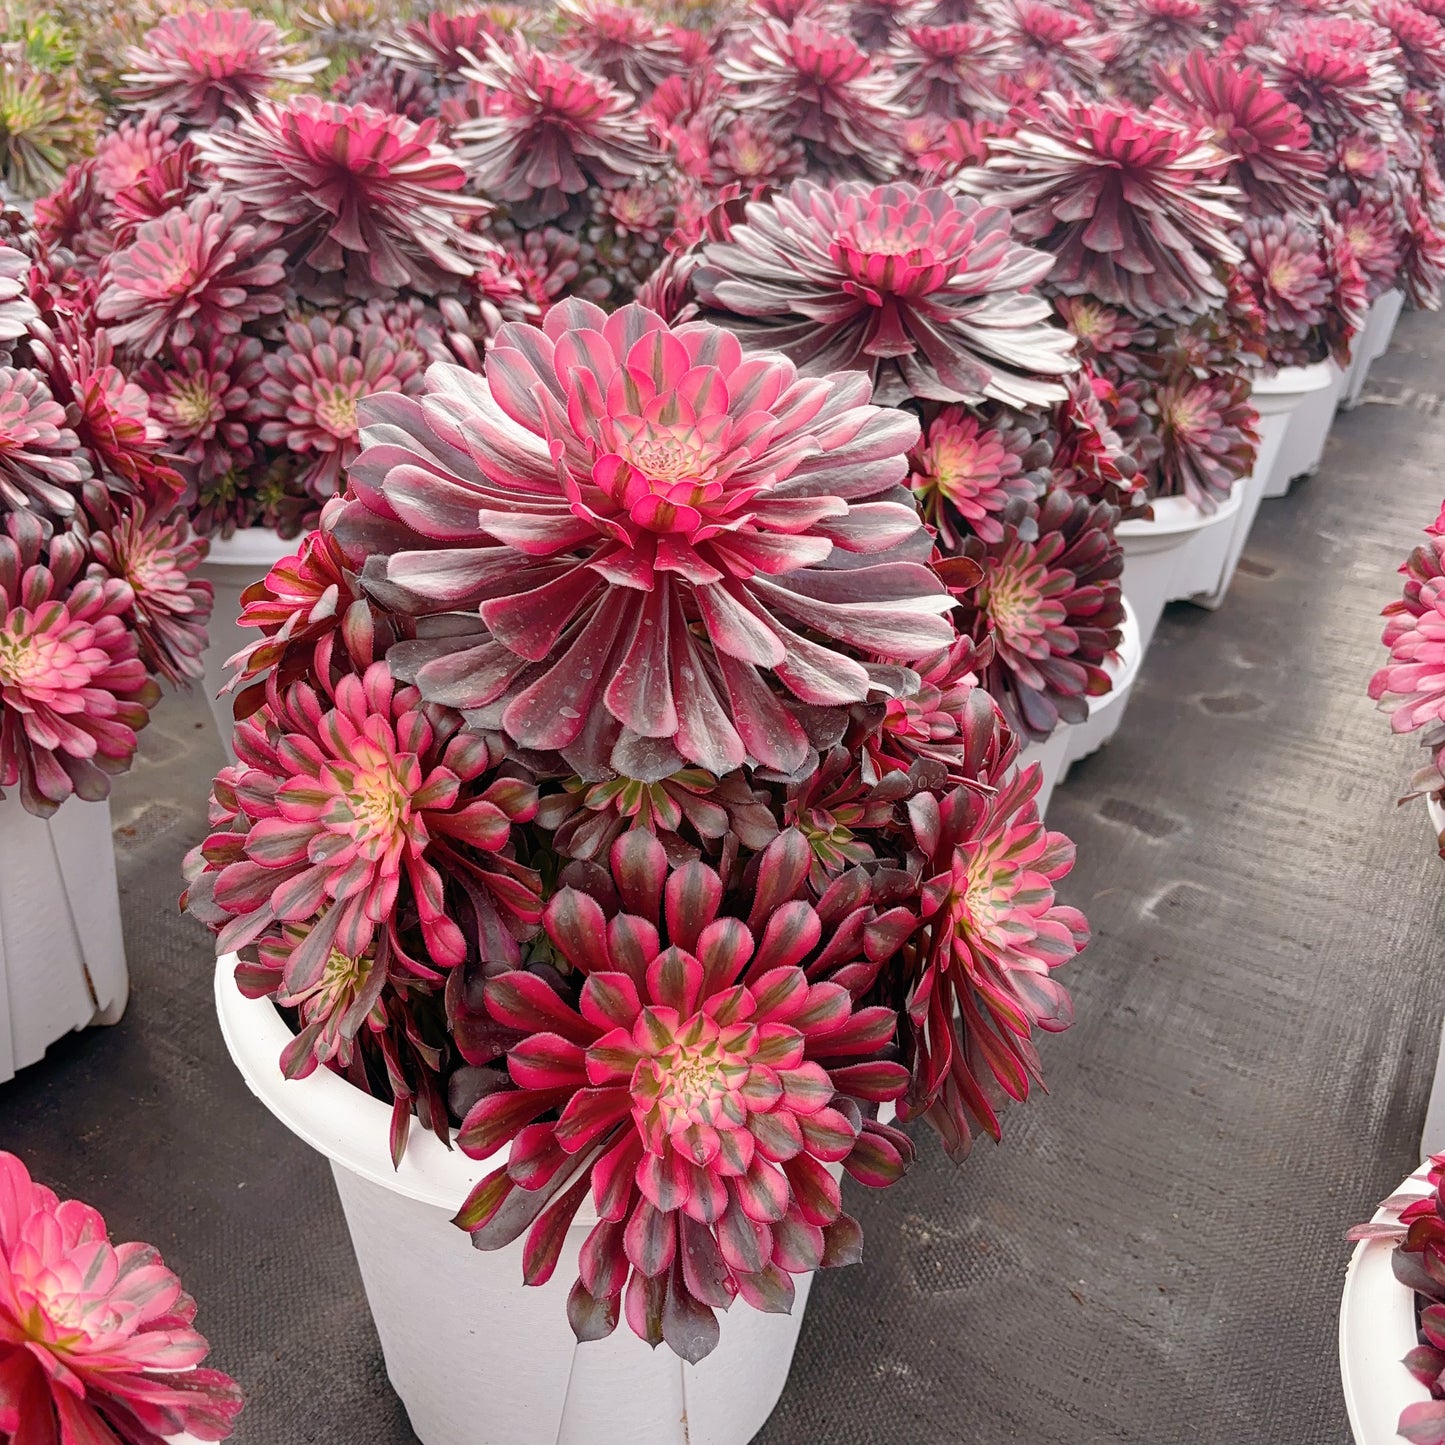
1180 516
1377 1330
1296 380
250 547
347 1125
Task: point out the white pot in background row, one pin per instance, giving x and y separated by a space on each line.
1072 741
1276 398
1377 1331
1052 756
62 957
477 1357
1309 423
232 565
1371 344
1107 712
1180 553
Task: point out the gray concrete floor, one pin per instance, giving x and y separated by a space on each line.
1155 1254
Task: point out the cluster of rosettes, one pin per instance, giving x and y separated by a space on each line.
261 275
615 790
1411 686
718 438
98 596
1182 164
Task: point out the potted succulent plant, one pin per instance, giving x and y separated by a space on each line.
1392 1317
1342 81
1298 283
1148 296
1411 685
97 601
97 1340
624 812
1381 182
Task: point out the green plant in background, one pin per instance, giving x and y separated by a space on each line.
45 123
44 41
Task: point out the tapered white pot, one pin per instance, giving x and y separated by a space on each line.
477 1357
232 565
1371 344
1177 555
1309 425
62 957
1377 1331
1107 712
1276 399
1052 756
1437 815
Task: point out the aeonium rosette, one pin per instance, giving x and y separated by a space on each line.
926 291
703 1083
97 1340
337 804
991 935
73 689
650 527
1132 203
1050 602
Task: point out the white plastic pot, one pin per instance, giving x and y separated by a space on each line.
62 957
477 1357
1071 741
232 565
1371 344
1437 815
1276 398
1052 756
1177 555
1107 712
1377 1331
1309 426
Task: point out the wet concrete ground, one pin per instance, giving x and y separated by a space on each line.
1155 1254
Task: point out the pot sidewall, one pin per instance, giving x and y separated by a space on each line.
1309 429
1180 553
62 954
1377 1331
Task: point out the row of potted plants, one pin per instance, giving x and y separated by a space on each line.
739 461
572 964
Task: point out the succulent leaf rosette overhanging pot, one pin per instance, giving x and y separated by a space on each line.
1410 687
615 790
